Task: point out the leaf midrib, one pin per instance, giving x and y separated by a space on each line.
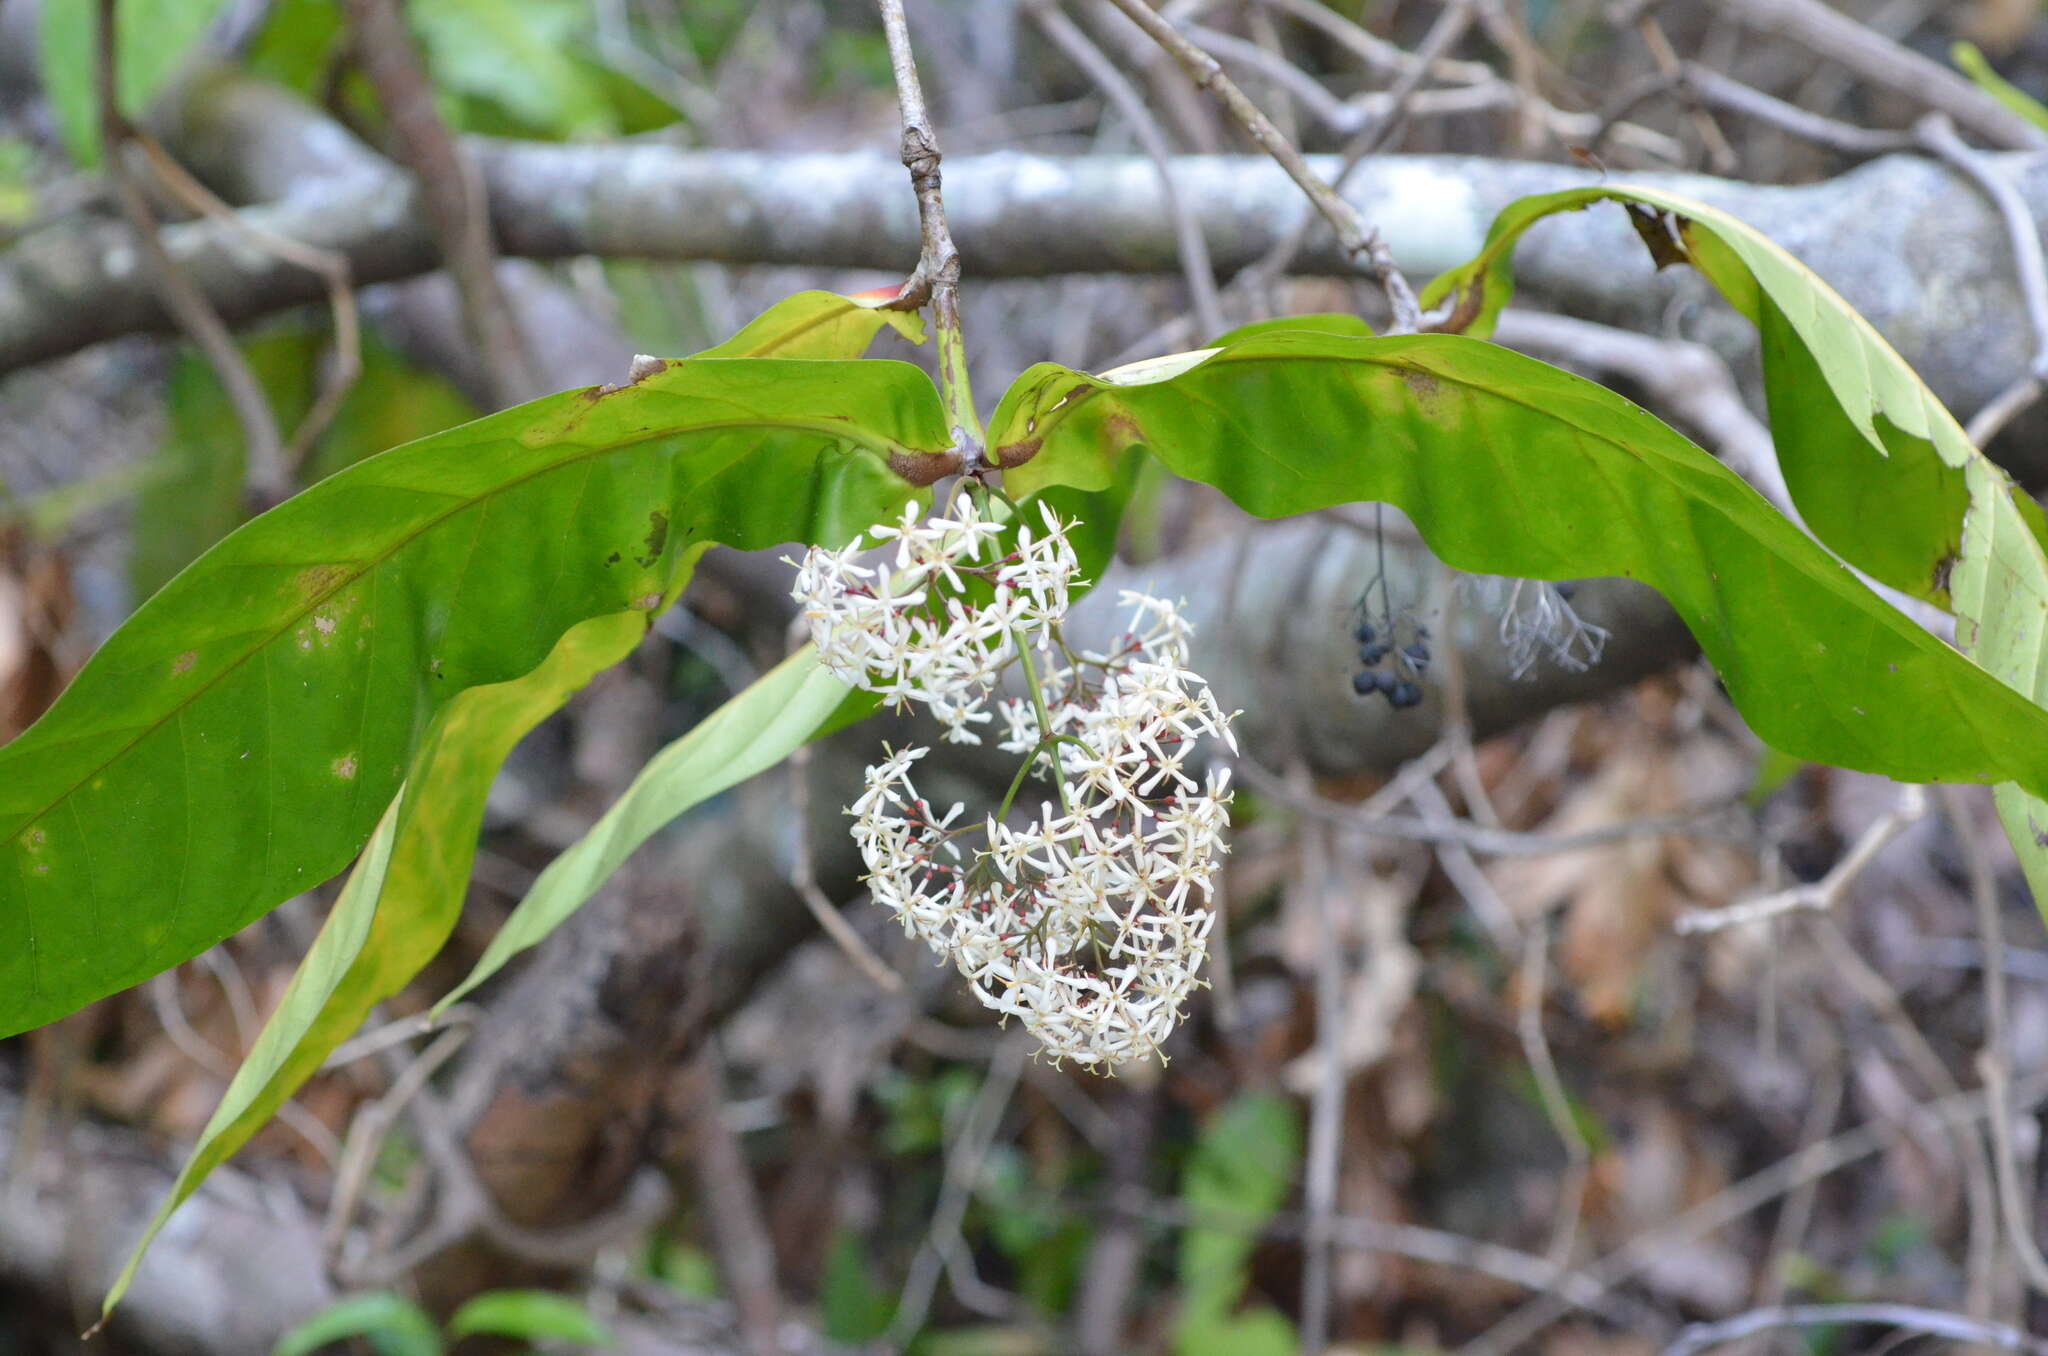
836 433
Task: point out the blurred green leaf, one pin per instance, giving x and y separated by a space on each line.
153 38
854 1306
683 1267
530 1315
397 1325
1973 63
1022 1206
394 400
1262 1331
297 45
1773 770
1348 326
194 495
519 56
17 196
1242 1169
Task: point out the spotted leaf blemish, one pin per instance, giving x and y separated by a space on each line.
657 537
345 767
317 581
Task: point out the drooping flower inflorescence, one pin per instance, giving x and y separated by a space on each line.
1089 920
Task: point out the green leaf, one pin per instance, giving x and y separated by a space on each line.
1877 466
296 45
1879 471
1971 62
820 325
393 401
152 39
1241 1171
403 1327
1509 466
530 1315
852 1305
401 901
1773 770
1262 1331
233 742
751 733
520 57
197 496
1328 322
17 190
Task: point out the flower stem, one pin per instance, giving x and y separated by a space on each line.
1045 733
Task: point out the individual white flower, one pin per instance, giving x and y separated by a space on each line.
1041 571
914 633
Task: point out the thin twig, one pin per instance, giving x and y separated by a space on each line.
1372 130
936 281
803 877
1443 35
167 1000
1847 964
366 1134
1326 1110
1456 859
1823 894
1194 246
1994 1061
1571 1195
1363 245
1834 36
1932 1322
187 305
398 1032
452 190
741 1239
234 987
1936 134
1383 57
963 1169
331 265
1114 1266
1720 154
1797 1212
1722 91
1438 1247
1514 1333
1437 830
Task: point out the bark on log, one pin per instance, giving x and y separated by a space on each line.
1912 246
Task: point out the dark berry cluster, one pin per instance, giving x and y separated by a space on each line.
1389 667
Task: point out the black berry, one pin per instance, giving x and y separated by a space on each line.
1401 696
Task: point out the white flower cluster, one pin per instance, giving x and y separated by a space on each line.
896 632
1090 922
